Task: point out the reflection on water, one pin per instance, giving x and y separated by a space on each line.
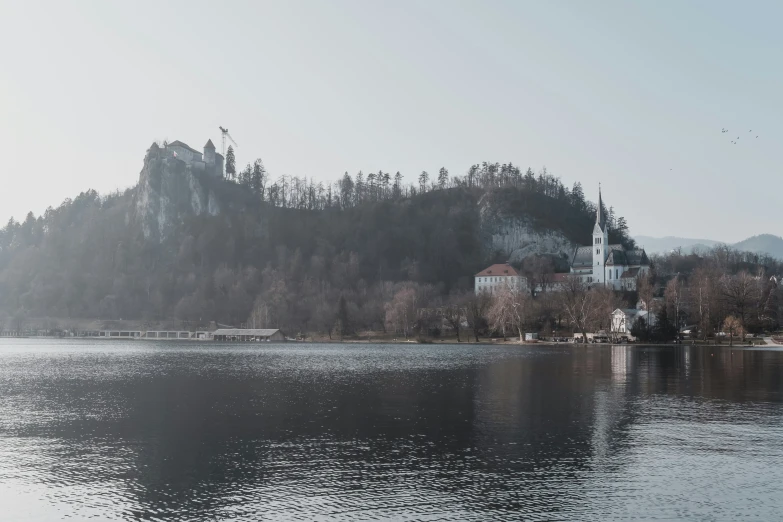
192 432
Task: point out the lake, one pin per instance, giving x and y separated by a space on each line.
114 430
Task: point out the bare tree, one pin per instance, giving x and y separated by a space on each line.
511 308
732 326
702 295
401 310
675 300
539 272
741 292
582 306
454 311
646 291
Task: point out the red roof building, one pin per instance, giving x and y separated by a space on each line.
492 277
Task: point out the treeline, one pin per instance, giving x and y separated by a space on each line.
351 191
293 248
716 291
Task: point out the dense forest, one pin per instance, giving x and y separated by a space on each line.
286 252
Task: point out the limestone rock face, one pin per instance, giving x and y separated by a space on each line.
510 233
167 193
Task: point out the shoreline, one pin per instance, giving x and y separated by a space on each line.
765 342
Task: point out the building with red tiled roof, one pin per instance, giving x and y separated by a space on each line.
497 276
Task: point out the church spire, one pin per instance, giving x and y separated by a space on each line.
600 219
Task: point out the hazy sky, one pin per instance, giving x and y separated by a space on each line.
629 93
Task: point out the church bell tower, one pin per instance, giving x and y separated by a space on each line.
600 243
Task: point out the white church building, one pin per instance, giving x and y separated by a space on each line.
605 264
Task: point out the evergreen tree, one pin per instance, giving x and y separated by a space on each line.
423 179
246 175
385 178
231 167
258 179
622 225
371 186
360 188
443 177
665 331
578 196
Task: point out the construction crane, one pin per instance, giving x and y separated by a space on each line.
225 133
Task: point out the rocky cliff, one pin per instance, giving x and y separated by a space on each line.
169 191
510 232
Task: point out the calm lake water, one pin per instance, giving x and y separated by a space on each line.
144 431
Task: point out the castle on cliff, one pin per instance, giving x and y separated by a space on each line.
210 162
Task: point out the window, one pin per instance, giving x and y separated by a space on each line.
597 250
616 271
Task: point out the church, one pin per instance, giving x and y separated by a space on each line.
605 264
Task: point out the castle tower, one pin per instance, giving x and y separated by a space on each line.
600 243
209 153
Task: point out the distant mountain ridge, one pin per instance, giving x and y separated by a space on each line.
761 244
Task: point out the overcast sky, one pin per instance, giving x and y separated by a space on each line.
629 94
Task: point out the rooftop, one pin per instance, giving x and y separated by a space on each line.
500 269
177 143
259 332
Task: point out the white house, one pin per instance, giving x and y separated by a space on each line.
605 264
496 276
623 320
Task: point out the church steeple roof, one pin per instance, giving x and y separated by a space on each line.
600 218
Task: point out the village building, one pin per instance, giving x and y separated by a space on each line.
495 277
248 334
623 320
210 161
609 265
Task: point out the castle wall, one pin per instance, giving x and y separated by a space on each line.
188 156
219 165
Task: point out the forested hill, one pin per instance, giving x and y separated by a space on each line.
292 244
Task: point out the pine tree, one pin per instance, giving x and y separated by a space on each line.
423 179
622 225
231 166
258 179
578 196
360 188
385 180
397 189
245 175
443 177
665 330
371 185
